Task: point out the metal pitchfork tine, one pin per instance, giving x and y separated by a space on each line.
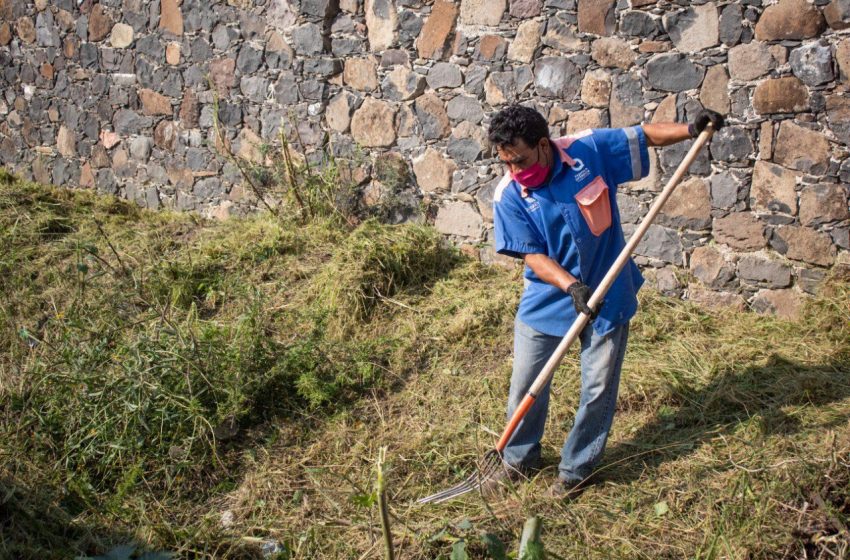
488 468
493 459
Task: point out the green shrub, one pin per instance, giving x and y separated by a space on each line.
151 396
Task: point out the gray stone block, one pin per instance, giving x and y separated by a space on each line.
444 75
255 88
140 148
197 159
313 90
168 81
568 5
410 26
230 114
726 191
812 63
342 23
557 77
251 25
841 237
134 13
730 25
672 156
465 108
523 77
475 76
89 126
127 122
249 59
286 89
198 15
222 36
765 272
200 50
194 75
186 201
81 28
105 182
466 150
344 46
638 24
731 144
89 55
144 72
661 243
674 72
47 33
66 173
692 29
630 208
208 188
324 67
307 39
319 9
810 279
151 46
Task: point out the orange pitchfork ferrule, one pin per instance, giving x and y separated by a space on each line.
516 418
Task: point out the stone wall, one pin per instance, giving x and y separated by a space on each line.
119 95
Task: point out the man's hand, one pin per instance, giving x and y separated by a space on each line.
581 294
703 118
552 273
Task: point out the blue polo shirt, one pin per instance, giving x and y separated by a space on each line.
550 221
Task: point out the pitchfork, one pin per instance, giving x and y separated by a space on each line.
492 462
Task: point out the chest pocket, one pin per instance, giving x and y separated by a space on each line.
594 202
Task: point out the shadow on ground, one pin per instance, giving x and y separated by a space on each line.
39 523
735 396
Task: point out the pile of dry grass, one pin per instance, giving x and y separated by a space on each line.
375 262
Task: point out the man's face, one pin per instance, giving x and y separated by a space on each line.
519 155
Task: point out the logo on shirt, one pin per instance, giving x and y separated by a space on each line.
582 172
531 204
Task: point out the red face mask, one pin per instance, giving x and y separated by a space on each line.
532 176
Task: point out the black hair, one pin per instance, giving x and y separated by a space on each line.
517 121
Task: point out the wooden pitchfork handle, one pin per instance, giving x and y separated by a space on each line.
581 321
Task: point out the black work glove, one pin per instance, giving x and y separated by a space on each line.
581 293
703 118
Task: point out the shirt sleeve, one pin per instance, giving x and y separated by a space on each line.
624 153
515 236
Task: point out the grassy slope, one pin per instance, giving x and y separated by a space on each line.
254 369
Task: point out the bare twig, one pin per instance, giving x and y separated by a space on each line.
394 301
124 269
228 153
837 524
382 506
291 175
294 123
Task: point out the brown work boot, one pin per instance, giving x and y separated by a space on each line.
568 490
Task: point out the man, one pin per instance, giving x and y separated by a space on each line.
556 209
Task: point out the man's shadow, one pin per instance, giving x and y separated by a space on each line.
40 522
693 416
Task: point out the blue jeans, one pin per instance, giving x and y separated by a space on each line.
601 361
